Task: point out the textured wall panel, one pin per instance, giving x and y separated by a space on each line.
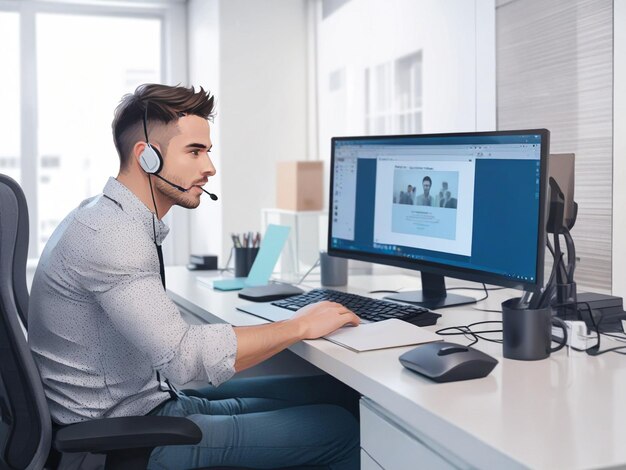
554 69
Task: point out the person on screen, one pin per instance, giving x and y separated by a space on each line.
425 199
109 342
441 197
407 197
450 201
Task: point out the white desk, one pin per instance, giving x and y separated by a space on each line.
562 412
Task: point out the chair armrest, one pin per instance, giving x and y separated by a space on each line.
134 432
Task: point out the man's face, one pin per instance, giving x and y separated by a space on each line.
186 162
426 185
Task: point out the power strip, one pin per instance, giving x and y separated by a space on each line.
578 337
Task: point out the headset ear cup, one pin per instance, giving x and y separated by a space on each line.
151 160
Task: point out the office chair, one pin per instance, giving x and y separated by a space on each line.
26 433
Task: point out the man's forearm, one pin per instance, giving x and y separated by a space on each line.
258 343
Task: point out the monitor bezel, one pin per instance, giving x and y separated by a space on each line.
457 272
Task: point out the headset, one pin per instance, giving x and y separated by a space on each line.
151 160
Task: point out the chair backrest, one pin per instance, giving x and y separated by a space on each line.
25 426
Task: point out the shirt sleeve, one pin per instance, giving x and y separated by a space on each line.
128 288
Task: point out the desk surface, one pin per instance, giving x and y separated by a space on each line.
568 411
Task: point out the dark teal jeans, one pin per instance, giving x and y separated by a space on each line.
267 422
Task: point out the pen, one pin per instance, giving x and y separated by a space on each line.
236 241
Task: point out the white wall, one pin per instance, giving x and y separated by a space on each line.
262 111
204 55
253 56
456 38
619 148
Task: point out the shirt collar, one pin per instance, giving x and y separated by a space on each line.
129 203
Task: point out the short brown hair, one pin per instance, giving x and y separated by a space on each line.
165 104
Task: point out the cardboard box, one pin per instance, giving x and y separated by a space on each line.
300 185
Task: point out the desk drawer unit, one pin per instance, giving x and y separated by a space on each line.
387 445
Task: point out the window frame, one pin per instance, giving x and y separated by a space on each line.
174 70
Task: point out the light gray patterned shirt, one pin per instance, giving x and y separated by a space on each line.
100 325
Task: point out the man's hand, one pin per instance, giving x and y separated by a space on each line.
322 318
260 342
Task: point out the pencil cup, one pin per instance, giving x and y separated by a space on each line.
334 270
527 333
244 259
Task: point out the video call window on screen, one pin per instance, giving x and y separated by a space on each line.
461 205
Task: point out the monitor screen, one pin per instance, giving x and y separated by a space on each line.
469 206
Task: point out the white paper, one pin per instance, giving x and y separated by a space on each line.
390 333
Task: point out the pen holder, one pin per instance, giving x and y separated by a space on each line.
527 333
244 259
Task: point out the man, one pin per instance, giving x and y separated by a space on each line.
450 201
407 198
108 340
425 199
441 197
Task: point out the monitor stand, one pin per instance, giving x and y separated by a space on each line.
433 294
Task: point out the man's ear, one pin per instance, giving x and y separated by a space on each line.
140 146
138 149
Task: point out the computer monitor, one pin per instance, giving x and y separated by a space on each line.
466 205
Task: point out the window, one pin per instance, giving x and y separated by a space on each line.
77 91
64 67
10 95
393 96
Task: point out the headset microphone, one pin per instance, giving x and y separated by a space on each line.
183 190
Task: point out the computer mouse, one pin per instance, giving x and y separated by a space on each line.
448 362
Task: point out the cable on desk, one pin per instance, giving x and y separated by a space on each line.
616 336
315 265
595 350
486 294
466 330
487 310
483 288
230 256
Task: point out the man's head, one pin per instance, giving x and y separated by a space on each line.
448 195
444 185
177 126
426 184
409 189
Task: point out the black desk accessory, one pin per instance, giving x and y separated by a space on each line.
560 291
448 362
269 293
527 332
202 262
